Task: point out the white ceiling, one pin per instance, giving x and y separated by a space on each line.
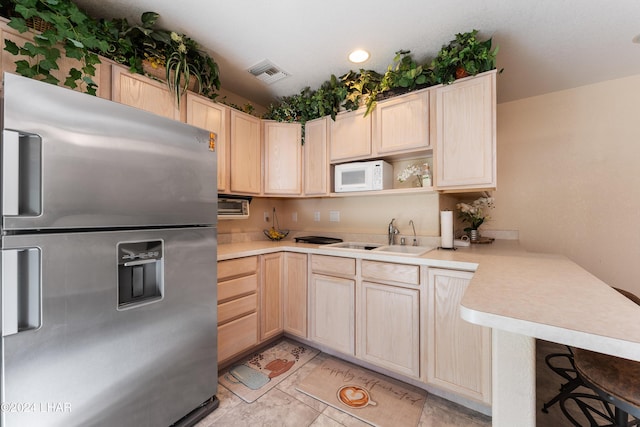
545 45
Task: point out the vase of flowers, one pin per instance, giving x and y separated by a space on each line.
475 215
421 173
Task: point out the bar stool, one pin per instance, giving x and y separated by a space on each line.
563 365
615 381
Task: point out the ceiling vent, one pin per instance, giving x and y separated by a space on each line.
268 72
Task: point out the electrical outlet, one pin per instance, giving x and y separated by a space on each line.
334 216
266 217
316 216
294 216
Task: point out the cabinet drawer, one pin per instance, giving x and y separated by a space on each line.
237 336
237 308
409 274
237 267
333 265
237 287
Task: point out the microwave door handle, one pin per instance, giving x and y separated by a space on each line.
10 172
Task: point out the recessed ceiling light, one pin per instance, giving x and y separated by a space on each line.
358 56
636 39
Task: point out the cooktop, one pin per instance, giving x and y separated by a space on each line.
318 240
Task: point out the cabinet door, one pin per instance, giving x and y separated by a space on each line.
332 305
282 158
466 134
144 93
401 124
389 327
237 336
213 117
459 353
246 157
295 294
350 136
316 161
271 296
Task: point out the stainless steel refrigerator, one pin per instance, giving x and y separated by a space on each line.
108 262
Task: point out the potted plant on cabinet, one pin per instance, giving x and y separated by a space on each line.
83 38
463 56
68 27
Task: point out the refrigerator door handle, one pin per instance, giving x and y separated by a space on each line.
21 290
10 172
9 292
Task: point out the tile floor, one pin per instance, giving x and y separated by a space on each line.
285 406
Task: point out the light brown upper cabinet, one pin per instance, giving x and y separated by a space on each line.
350 136
465 115
246 154
213 117
401 124
282 158
144 93
316 158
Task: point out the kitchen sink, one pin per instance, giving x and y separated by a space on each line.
403 249
379 248
355 245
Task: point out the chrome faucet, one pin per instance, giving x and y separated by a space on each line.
393 230
415 240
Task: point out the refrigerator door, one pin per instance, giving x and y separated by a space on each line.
70 160
90 351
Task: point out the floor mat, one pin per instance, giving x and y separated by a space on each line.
260 372
369 396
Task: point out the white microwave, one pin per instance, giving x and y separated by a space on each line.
363 176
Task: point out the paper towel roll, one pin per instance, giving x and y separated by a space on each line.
446 229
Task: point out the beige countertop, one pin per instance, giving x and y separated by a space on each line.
537 295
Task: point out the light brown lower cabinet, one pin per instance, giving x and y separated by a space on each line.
238 281
389 327
458 352
295 294
271 323
332 302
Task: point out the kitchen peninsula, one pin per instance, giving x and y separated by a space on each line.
521 296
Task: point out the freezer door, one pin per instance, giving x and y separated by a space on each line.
85 360
70 160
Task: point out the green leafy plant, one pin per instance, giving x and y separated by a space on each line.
178 54
362 87
405 73
308 105
464 56
131 44
70 28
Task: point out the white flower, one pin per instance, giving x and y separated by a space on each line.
473 213
176 37
408 172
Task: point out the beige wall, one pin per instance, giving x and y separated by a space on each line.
368 214
569 176
358 215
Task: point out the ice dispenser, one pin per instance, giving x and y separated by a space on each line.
140 273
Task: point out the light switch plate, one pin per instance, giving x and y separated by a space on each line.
334 216
316 216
